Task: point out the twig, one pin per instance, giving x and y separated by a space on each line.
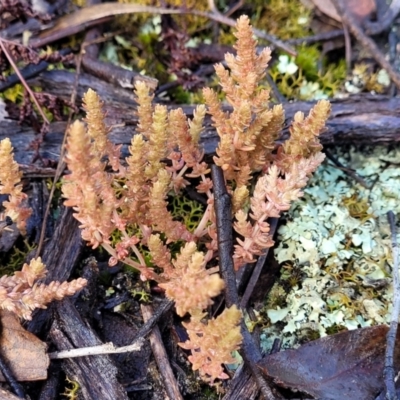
365 41
373 28
320 37
234 8
115 74
389 372
347 48
96 375
161 357
106 348
9 376
109 348
164 307
277 94
393 40
223 213
347 170
29 71
257 269
23 81
61 163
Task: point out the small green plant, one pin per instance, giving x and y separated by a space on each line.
72 392
301 78
190 212
16 257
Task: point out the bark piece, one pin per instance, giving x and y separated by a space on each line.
161 357
132 366
96 375
362 119
60 256
6 395
242 386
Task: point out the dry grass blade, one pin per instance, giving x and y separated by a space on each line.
23 81
79 20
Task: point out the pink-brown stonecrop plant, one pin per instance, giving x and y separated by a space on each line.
20 293
130 200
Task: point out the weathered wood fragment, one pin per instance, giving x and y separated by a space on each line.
96 375
359 120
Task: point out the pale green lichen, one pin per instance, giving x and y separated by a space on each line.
364 79
286 65
339 237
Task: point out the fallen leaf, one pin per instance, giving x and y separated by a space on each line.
360 9
348 365
6 395
24 353
90 15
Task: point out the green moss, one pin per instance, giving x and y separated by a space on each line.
131 230
309 335
288 84
180 95
285 19
16 257
291 276
71 392
308 58
358 208
191 23
146 51
332 79
141 294
13 94
276 298
190 212
138 55
331 330
308 82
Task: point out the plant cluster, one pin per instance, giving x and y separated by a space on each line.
20 293
165 157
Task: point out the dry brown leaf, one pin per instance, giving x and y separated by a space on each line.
25 354
6 395
348 365
360 9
